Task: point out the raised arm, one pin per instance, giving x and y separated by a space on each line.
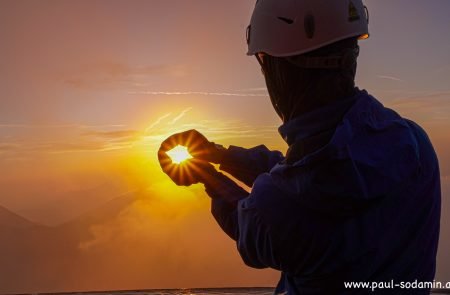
232 206
236 213
247 164
244 164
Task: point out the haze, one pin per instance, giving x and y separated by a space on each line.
89 89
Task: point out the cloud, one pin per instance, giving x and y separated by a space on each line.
198 93
431 107
390 78
223 132
435 99
53 147
442 70
35 126
255 89
73 147
4 147
158 121
117 134
112 73
73 138
76 138
41 126
181 115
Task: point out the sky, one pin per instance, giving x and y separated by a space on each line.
89 89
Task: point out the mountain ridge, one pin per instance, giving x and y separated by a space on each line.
9 219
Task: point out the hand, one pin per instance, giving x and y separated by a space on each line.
190 171
197 144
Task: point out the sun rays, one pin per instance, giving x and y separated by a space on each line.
179 154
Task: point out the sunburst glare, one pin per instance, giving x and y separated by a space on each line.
179 154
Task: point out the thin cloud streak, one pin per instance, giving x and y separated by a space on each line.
118 134
257 89
181 115
158 121
216 131
429 108
429 97
36 126
115 73
198 93
390 78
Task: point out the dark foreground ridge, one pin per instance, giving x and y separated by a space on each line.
195 291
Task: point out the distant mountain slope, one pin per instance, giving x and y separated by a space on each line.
10 219
63 207
100 214
35 257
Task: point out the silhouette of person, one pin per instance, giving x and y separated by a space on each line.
356 198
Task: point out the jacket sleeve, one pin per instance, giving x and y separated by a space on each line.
225 195
237 214
247 164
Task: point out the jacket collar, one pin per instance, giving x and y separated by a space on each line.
317 121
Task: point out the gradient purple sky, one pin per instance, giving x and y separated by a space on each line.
88 89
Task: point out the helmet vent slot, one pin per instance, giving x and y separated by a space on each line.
286 20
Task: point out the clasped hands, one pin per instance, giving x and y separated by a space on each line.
197 169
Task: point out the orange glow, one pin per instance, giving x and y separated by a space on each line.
179 154
364 37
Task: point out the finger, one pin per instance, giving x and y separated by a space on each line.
186 138
180 174
170 169
175 174
186 175
191 139
202 151
201 169
171 142
164 160
198 144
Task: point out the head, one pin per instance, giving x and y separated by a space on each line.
307 50
295 90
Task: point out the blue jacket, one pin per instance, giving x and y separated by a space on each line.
356 199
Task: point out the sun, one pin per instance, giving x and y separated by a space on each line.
179 154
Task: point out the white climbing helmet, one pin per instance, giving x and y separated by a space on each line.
292 27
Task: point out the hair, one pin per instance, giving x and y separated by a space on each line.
294 90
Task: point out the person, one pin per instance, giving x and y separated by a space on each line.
357 196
